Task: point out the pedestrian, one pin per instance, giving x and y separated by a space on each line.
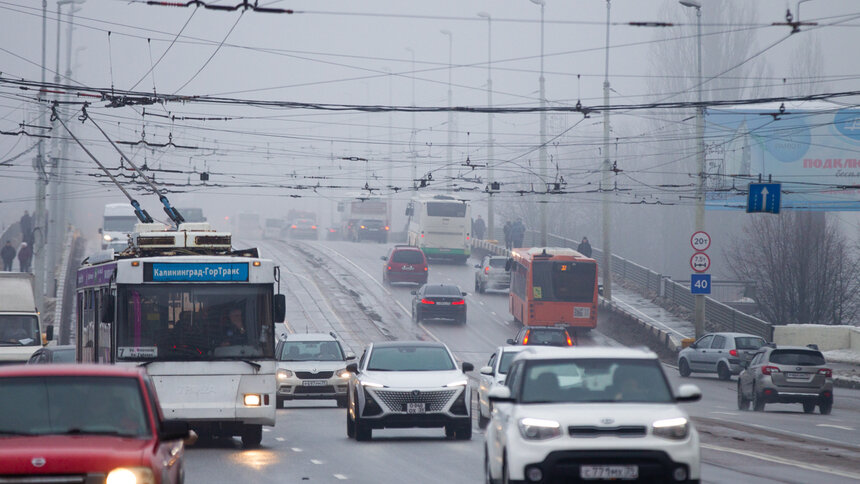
518 232
25 256
508 229
584 247
26 226
8 256
479 228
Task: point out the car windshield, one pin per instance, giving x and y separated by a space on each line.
19 330
595 380
797 357
748 343
410 358
498 262
120 223
310 351
505 362
549 337
442 291
72 405
407 257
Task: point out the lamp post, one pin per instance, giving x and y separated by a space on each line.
542 172
412 136
699 310
448 168
490 151
605 181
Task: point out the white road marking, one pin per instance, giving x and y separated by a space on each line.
266 430
780 460
296 449
340 477
280 439
727 413
316 461
835 426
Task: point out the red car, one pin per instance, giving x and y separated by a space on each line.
86 423
405 263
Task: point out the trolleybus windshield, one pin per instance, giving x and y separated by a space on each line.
194 322
563 281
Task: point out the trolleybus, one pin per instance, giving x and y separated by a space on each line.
197 314
441 227
553 286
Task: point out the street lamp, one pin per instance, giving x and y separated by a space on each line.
542 172
449 170
490 152
605 180
699 312
412 137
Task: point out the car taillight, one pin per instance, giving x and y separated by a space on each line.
427 301
387 228
389 268
827 372
569 342
467 237
487 270
526 338
425 268
313 226
422 236
293 227
459 302
767 370
733 352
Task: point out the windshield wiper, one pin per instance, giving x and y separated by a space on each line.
80 431
255 365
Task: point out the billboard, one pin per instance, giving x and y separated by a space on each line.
812 149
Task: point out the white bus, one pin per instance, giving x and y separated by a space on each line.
441 226
201 323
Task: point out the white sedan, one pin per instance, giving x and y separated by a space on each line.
492 375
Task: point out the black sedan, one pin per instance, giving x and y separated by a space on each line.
439 301
53 354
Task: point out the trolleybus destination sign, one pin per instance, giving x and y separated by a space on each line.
195 272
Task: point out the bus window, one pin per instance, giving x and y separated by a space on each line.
563 281
439 209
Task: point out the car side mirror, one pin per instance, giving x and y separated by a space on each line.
468 366
350 355
352 368
694 346
100 230
487 370
49 333
464 293
500 393
510 341
477 266
280 304
413 292
174 430
688 393
384 258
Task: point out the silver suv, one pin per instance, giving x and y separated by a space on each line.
491 274
787 374
725 354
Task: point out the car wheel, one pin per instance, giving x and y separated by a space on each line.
279 402
363 432
758 401
483 421
808 407
350 424
488 476
252 435
825 407
684 368
341 402
743 403
723 372
477 286
506 478
461 319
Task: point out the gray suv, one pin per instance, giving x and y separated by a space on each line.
491 274
725 354
787 374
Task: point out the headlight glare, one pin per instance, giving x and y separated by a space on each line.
107 237
539 429
284 374
130 475
342 373
671 428
252 400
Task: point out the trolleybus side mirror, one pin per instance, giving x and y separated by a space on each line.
409 211
49 333
280 308
352 368
107 310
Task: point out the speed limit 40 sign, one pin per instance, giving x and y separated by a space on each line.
700 241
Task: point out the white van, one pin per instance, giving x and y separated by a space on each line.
20 327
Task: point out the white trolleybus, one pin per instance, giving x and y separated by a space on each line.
198 315
441 226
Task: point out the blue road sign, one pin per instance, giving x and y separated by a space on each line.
700 283
764 197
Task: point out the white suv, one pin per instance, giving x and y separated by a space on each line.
312 366
570 414
493 375
408 384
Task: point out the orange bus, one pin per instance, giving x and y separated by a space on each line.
553 286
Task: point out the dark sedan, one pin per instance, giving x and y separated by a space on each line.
53 354
439 301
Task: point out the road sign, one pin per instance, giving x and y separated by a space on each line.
700 241
764 197
700 283
700 262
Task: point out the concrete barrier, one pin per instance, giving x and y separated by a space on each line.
826 337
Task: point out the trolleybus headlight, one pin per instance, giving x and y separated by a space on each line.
131 475
284 374
252 400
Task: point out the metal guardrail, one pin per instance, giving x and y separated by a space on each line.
719 316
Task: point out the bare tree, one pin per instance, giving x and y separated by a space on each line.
802 266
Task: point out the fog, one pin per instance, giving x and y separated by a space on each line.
270 159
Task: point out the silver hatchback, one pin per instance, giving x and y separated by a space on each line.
725 354
787 374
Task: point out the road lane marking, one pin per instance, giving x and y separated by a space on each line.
280 439
296 449
780 460
316 461
727 413
842 427
340 477
266 429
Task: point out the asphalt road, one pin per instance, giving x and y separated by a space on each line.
336 286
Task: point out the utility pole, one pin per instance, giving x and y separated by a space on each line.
542 200
449 171
413 134
390 135
607 211
39 166
490 152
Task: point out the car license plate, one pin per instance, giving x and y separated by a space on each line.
608 472
408 268
415 407
314 383
796 376
443 303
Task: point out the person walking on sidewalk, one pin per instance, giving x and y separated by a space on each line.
478 228
584 247
8 256
518 233
26 225
508 229
25 256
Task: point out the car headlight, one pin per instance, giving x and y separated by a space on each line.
131 475
107 237
371 384
458 383
284 374
342 373
671 428
539 429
